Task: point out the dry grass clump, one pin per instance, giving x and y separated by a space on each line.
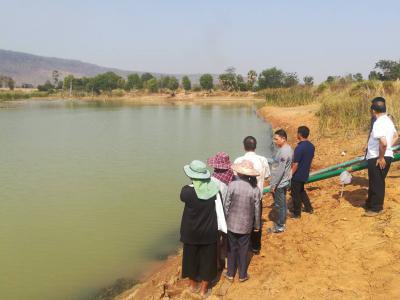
348 109
288 97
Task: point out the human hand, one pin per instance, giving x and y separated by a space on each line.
381 162
272 190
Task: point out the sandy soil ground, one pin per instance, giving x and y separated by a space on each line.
335 253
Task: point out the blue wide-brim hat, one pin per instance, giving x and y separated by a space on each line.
197 170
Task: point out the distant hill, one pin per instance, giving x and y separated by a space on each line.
35 69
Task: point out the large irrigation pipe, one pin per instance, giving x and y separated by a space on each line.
346 163
357 167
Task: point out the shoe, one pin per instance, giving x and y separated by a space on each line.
255 251
230 278
311 211
244 279
293 216
276 229
371 213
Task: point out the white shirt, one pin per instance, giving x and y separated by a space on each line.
223 188
383 127
260 163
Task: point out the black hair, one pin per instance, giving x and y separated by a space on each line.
282 133
304 131
378 99
379 107
250 179
250 143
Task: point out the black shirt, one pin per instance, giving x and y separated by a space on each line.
199 219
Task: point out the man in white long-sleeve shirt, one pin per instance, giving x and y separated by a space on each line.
260 163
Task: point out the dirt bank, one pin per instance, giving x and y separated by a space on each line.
181 98
334 253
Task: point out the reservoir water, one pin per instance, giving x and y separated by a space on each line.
89 192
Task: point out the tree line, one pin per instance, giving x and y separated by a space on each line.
230 80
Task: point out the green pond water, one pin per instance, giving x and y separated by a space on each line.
90 192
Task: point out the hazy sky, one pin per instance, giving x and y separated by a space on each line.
316 37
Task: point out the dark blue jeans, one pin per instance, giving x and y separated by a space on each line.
281 205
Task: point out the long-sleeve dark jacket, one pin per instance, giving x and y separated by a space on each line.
199 220
242 207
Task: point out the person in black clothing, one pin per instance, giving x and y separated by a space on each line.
199 227
302 159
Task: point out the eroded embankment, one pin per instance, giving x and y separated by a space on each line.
334 253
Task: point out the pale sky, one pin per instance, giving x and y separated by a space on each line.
317 38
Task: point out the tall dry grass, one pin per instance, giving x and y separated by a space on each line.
288 97
348 110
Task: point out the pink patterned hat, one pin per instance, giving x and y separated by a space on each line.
220 161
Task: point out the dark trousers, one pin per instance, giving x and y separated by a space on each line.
255 237
238 248
299 196
199 262
376 179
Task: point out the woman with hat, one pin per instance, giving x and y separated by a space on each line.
242 208
223 173
199 227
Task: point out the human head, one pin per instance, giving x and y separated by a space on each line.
280 137
378 100
250 143
378 105
303 132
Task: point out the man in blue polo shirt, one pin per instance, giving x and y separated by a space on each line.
303 156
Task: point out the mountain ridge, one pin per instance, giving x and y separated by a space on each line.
36 69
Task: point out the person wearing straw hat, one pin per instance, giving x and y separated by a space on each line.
199 227
260 163
242 209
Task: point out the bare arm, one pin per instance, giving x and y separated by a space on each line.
382 149
295 165
395 139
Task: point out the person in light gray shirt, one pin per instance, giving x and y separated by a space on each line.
280 178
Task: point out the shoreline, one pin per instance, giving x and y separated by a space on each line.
325 246
222 98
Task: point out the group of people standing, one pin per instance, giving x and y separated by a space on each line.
223 209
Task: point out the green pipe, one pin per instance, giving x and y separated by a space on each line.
346 163
357 167
341 165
